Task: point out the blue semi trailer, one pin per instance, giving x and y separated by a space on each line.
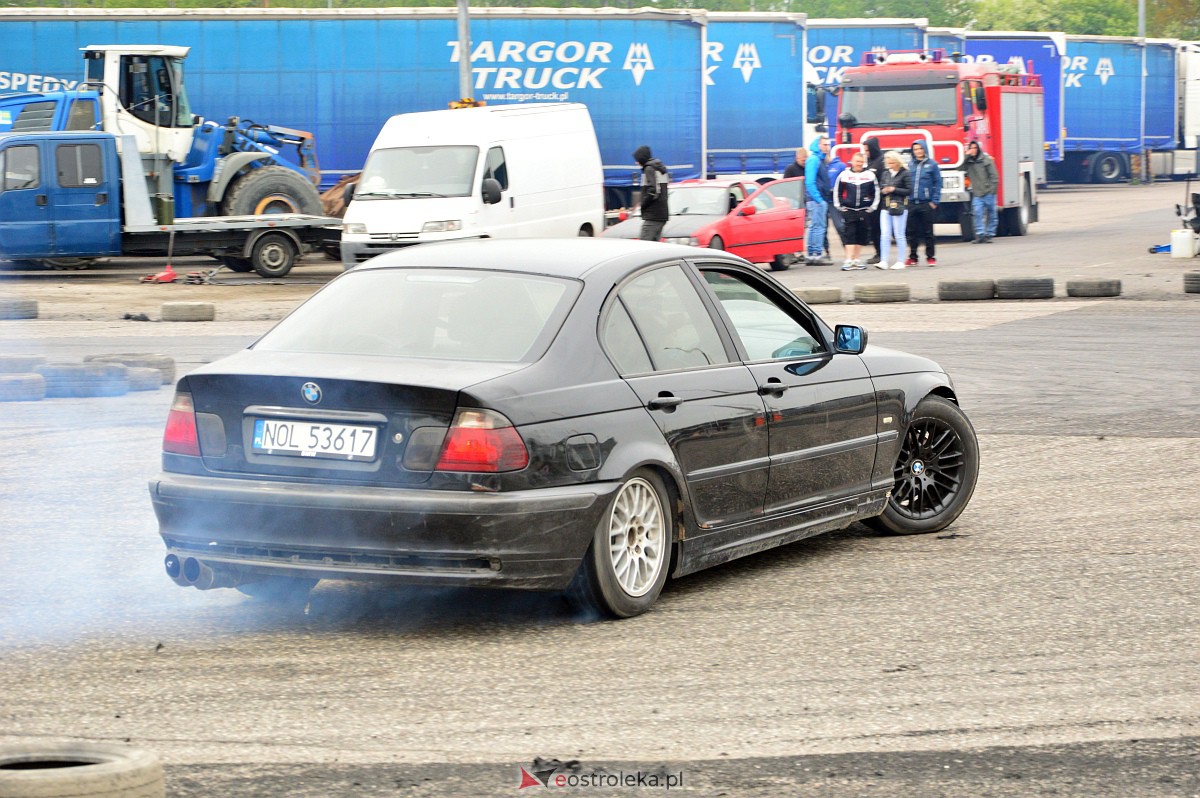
1107 98
341 74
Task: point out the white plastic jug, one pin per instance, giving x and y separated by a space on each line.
1183 244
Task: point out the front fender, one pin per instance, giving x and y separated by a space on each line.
227 169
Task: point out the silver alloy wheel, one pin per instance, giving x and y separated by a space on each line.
637 537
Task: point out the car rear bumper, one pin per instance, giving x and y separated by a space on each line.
528 539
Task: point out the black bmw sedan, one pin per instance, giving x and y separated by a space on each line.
589 416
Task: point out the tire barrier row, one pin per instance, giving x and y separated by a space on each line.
967 290
29 378
14 308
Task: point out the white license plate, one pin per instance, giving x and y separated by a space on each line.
313 439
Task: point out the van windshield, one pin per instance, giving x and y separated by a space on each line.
418 172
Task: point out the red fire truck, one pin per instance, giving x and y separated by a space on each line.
899 97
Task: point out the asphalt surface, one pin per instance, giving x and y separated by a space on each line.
1046 644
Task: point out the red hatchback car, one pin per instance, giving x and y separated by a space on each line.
762 223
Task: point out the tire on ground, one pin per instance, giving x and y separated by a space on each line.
22 387
20 364
242 265
271 189
935 472
632 543
819 295
1025 288
959 290
163 364
882 292
86 379
79 770
188 311
13 307
1093 287
1191 282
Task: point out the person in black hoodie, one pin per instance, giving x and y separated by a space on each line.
654 194
875 163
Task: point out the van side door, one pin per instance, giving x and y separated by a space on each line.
497 218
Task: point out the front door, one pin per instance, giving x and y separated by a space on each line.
26 213
821 407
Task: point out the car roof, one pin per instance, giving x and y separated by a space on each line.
575 258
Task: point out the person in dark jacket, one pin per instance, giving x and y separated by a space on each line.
874 156
984 183
834 166
923 202
654 194
894 187
796 167
856 195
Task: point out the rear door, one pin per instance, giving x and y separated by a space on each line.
26 213
661 335
86 217
821 407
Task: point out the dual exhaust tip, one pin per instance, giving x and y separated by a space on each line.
190 572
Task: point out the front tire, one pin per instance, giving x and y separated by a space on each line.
935 471
271 189
626 566
716 243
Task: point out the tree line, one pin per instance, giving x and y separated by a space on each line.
1176 19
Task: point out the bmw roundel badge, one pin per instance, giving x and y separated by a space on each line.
311 392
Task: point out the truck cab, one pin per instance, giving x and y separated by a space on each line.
899 97
60 195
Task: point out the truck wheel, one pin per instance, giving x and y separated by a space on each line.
271 189
273 255
1016 220
68 264
1108 167
237 264
966 225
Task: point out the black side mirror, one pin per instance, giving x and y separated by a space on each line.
348 192
491 190
979 98
849 340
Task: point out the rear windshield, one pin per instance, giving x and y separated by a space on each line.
448 314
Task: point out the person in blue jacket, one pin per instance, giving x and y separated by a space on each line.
922 203
818 188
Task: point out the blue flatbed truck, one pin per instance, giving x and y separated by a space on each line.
76 195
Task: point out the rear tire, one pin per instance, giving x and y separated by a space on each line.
1108 167
781 263
273 255
935 471
1016 220
271 189
626 566
966 226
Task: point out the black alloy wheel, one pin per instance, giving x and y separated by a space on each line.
935 471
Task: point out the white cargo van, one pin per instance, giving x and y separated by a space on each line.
506 171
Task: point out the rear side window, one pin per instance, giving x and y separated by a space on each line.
78 165
448 314
669 319
21 168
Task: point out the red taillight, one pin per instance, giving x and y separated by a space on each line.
180 436
482 440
